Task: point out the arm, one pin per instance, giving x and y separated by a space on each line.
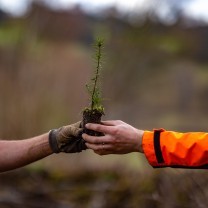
161 148
15 154
173 149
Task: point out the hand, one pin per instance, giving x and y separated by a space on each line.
119 138
67 139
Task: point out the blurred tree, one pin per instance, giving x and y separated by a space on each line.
166 11
58 25
3 15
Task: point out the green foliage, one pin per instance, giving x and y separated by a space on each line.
11 35
93 87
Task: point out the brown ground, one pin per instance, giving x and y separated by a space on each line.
103 189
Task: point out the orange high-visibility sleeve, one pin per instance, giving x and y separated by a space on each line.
173 149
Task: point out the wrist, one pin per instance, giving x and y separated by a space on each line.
140 134
53 141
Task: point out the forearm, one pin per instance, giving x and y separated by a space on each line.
174 149
15 154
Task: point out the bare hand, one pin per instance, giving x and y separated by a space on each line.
119 138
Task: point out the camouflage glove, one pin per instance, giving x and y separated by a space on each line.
67 139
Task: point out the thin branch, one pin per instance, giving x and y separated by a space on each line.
98 57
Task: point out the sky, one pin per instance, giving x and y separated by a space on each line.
198 9
193 8
19 6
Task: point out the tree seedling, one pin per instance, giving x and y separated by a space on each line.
95 110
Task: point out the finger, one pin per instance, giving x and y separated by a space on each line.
69 131
108 123
112 122
100 128
91 146
97 139
99 147
95 147
77 124
91 139
104 151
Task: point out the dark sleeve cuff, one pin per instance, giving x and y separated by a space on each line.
152 148
52 141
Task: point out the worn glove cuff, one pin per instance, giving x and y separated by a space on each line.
52 141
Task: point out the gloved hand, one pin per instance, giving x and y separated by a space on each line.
67 139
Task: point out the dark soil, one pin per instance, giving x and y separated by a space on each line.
91 116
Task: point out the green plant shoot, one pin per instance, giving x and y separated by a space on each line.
93 87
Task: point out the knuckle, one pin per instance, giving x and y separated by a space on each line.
113 140
119 122
116 131
98 128
95 140
97 148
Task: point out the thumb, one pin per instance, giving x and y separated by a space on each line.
72 131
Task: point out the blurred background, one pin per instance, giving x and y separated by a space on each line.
155 75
